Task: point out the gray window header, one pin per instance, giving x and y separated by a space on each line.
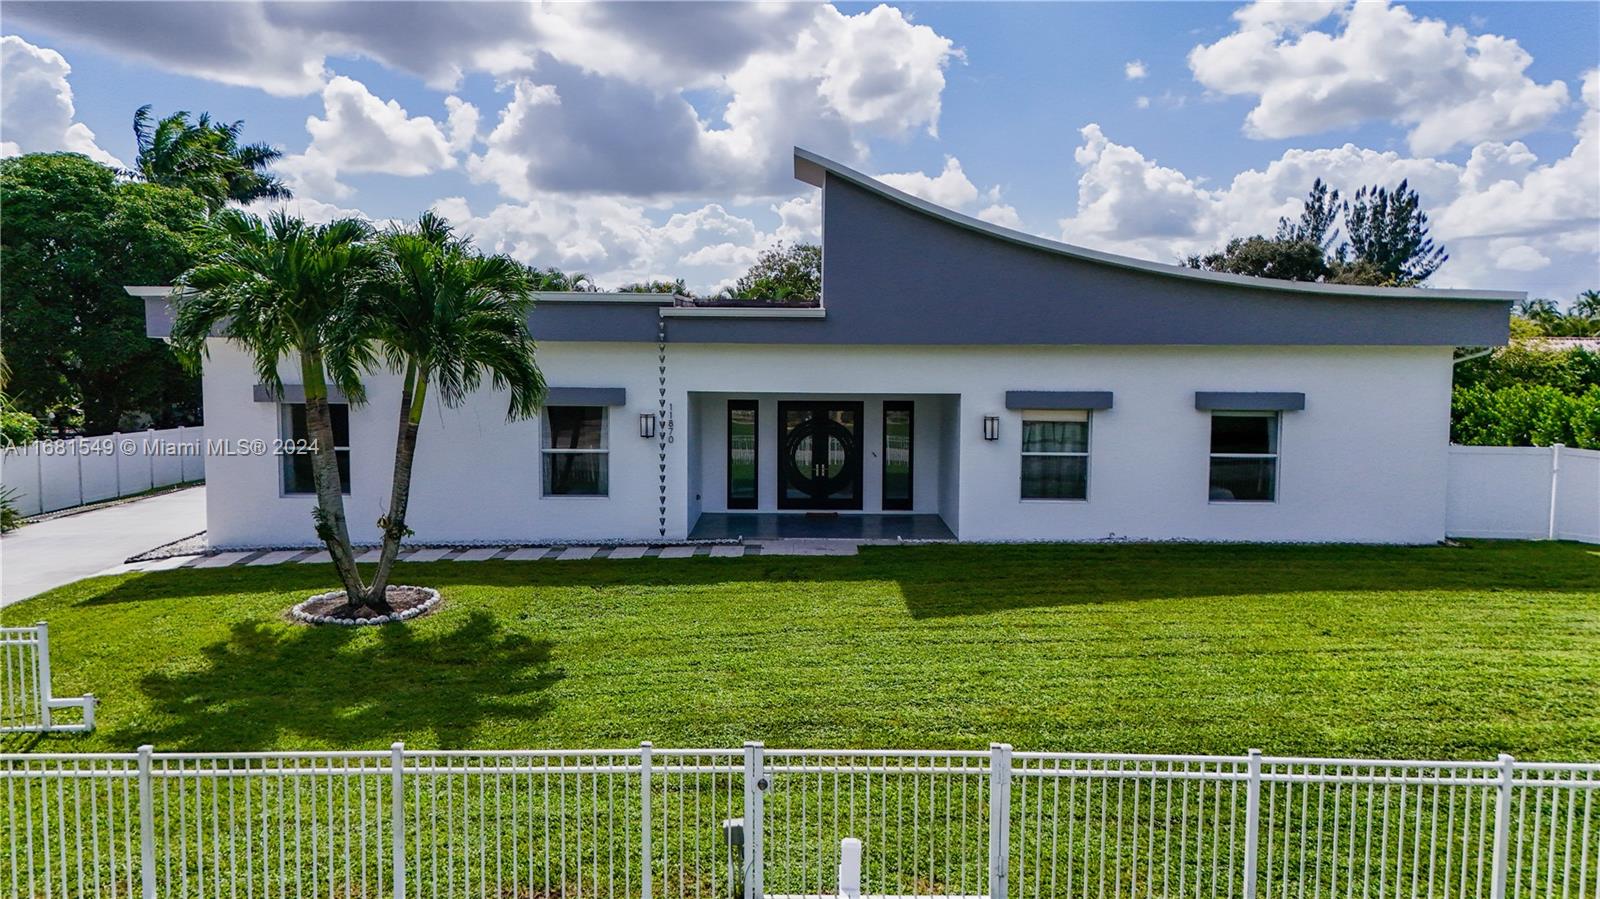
1058 399
586 396
1223 401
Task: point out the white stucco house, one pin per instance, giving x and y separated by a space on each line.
957 380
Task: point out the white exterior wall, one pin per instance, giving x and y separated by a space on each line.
1365 461
477 477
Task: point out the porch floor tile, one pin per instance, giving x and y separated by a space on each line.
809 526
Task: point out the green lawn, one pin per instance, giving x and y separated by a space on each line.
1408 652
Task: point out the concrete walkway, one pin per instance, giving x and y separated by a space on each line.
575 552
48 554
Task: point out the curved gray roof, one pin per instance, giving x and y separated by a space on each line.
814 169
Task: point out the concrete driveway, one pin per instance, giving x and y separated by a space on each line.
47 554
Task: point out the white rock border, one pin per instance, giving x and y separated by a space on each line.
300 614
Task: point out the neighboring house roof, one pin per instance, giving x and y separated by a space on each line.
1560 344
898 270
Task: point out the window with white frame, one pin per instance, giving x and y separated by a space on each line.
1244 457
297 447
1055 454
576 457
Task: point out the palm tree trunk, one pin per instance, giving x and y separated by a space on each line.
413 394
331 524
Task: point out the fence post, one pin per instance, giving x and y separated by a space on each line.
1502 826
1252 824
850 868
999 819
147 827
150 453
41 636
38 471
1555 484
116 459
755 785
397 816
645 853
77 454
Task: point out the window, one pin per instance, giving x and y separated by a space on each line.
297 446
742 454
576 461
1244 456
1055 455
897 425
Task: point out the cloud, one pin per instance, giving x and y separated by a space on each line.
1382 63
617 241
363 134
1521 258
1502 215
952 189
462 123
832 84
1134 70
767 76
36 101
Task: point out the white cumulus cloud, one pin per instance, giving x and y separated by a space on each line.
361 133
1503 215
36 109
1133 70
1379 62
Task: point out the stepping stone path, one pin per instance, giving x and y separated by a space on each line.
570 553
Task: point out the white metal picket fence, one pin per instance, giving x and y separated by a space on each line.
755 822
49 475
26 703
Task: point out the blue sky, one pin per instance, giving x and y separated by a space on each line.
654 140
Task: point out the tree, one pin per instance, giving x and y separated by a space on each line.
73 237
1582 320
1317 221
783 274
676 287
1290 259
1390 231
554 279
205 158
448 317
280 288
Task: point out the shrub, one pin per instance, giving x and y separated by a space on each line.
1525 415
10 518
17 428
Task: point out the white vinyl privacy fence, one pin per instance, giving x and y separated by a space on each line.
49 475
1524 493
756 822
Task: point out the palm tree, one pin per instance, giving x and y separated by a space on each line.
280 288
554 279
449 317
204 157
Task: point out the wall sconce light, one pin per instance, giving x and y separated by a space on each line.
991 427
647 424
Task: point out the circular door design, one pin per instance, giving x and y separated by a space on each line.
820 456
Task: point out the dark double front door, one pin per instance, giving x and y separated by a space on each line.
819 455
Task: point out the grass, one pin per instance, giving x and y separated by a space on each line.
1434 652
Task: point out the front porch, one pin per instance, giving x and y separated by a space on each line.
862 467
818 526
